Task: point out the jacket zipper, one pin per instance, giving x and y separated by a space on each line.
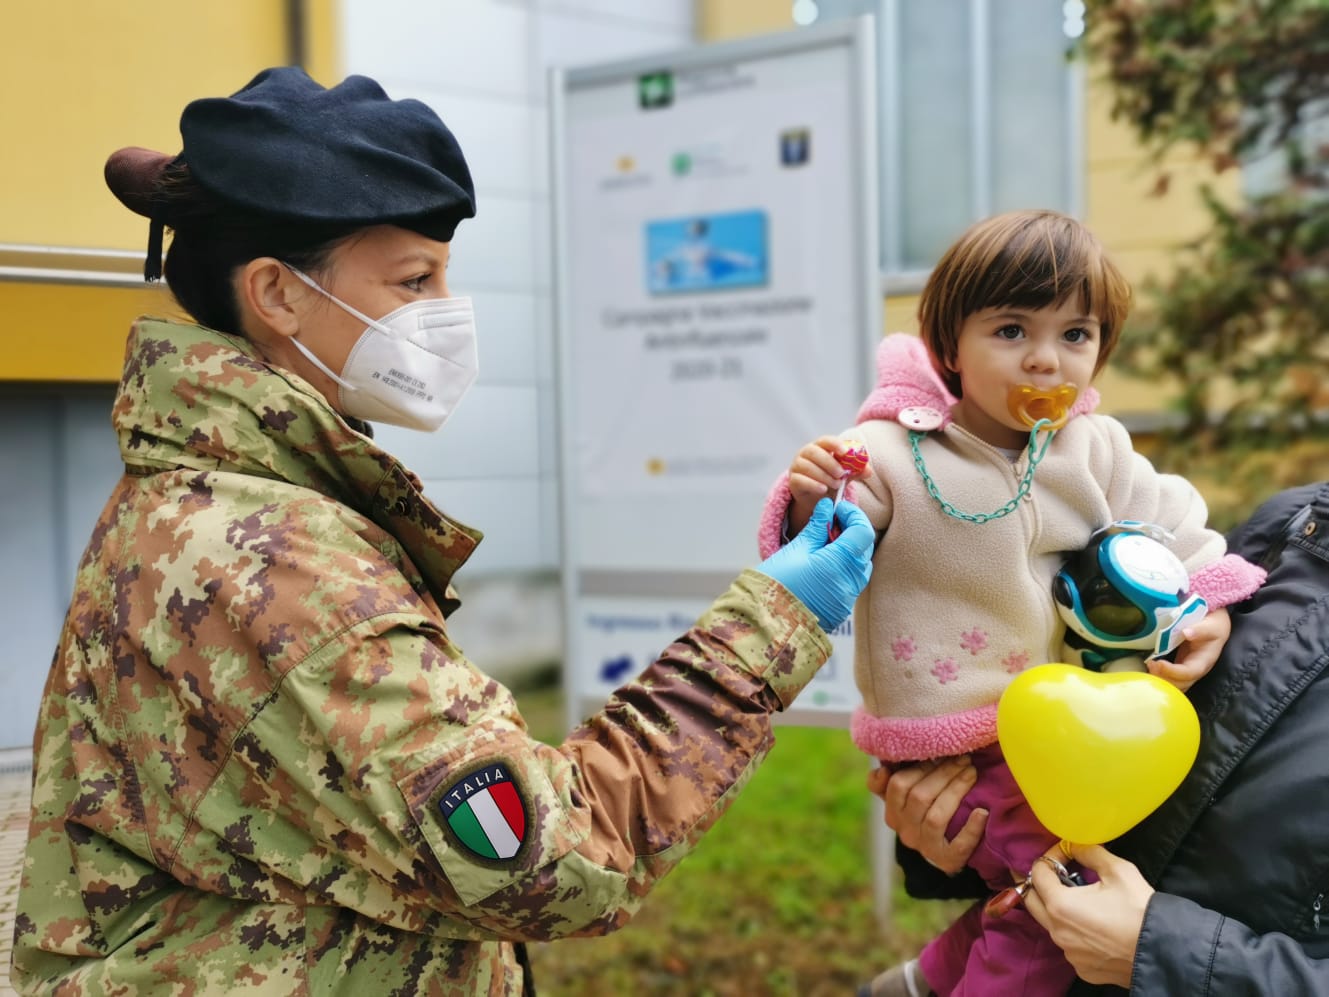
1315 908
1026 510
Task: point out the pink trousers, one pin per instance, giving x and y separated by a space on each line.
980 955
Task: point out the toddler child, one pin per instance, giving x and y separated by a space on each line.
987 467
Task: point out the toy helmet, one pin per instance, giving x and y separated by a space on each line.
1127 591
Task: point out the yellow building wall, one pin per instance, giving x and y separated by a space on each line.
71 333
80 82
718 20
1140 229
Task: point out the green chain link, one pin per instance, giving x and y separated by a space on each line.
1036 454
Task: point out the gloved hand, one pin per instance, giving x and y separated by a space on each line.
826 576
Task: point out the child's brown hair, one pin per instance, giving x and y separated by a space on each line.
1021 259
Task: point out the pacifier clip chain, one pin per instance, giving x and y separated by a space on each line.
1036 454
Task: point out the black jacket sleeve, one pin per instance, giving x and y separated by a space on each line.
1261 538
925 881
1186 949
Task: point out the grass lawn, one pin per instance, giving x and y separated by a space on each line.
776 900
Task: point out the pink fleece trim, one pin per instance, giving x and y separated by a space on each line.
1230 579
773 514
770 528
908 739
907 379
1087 402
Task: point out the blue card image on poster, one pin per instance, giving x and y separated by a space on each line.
706 252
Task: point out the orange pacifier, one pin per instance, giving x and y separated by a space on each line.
1030 404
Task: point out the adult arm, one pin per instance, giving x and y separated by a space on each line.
920 800
359 772
1119 931
1184 948
373 738
924 881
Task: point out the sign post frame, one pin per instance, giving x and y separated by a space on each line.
643 580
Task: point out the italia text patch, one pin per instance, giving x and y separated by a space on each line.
486 812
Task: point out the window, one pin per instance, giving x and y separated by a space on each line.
979 111
1265 169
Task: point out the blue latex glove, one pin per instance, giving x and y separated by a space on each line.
826 577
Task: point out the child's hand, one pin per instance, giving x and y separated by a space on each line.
815 474
1197 655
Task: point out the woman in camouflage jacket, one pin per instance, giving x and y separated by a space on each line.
261 765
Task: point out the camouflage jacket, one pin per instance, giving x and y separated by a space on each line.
261 764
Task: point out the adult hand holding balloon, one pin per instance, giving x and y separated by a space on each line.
1093 753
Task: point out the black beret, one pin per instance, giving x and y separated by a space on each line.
288 147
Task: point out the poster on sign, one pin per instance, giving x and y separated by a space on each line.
718 305
618 636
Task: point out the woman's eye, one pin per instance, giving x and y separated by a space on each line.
416 284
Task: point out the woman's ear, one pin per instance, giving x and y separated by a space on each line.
271 299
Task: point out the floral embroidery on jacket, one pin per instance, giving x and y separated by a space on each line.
1016 661
974 640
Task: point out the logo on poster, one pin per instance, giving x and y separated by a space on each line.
707 161
616 669
655 90
625 174
795 146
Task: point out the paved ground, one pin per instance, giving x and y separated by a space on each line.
15 778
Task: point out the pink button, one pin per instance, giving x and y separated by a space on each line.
919 417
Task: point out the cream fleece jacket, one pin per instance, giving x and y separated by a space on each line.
956 609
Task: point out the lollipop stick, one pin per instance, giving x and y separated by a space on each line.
833 530
853 459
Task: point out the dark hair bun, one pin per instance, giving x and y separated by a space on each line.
132 174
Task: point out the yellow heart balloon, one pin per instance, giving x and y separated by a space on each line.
1095 754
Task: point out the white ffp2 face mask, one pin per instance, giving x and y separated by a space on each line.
409 368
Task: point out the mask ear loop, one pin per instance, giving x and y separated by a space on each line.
372 323
308 354
345 385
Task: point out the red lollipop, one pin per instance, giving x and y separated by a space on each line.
853 460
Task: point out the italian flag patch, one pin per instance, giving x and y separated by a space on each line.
485 812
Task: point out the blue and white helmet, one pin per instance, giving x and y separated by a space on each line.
1127 592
